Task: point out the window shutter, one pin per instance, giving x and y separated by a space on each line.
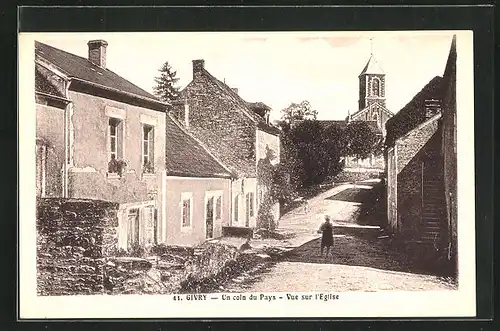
119 140
142 225
149 225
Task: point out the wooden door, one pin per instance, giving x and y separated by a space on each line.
209 218
133 234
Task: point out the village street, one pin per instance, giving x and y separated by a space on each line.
362 259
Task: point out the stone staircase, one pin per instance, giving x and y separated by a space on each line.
434 223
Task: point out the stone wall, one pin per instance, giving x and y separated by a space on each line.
219 122
73 237
411 151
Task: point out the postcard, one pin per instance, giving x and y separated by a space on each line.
246 174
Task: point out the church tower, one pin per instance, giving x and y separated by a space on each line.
371 84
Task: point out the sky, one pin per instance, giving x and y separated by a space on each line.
278 68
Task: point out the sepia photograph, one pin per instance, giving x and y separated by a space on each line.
173 171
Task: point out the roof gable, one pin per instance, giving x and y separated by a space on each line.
372 67
371 106
186 156
80 68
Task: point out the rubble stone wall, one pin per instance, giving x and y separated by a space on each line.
73 239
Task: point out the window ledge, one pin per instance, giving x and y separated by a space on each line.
113 175
186 228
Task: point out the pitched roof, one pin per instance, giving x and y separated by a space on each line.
414 113
372 67
186 156
43 85
390 113
81 68
244 106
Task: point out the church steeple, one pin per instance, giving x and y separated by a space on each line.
371 82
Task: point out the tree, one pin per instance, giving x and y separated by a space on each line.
165 88
298 112
360 140
313 151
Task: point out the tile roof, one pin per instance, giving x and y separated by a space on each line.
414 113
81 68
186 156
372 67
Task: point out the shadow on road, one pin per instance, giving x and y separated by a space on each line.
356 247
355 194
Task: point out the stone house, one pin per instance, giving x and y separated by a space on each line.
421 168
198 189
98 136
237 133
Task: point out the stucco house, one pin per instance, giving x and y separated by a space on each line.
198 189
237 133
421 168
100 137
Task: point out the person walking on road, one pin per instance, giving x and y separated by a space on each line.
326 231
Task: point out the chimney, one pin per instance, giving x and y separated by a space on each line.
235 90
432 107
97 52
198 66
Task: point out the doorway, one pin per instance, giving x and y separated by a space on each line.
133 226
209 218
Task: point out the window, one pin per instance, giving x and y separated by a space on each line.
115 138
115 131
374 116
186 211
148 148
376 87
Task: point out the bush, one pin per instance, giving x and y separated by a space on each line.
206 270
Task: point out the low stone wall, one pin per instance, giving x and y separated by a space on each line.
236 231
73 238
351 176
212 262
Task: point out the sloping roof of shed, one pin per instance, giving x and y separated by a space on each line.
186 156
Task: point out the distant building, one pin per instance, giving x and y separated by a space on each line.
421 169
237 133
98 136
371 109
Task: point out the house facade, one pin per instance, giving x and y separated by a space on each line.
100 137
421 169
237 133
198 189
